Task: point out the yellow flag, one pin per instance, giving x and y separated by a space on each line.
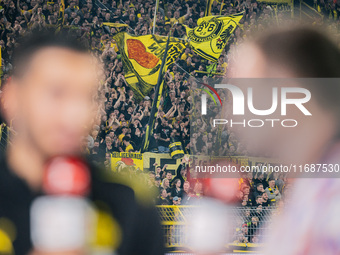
110 24
142 59
61 14
211 35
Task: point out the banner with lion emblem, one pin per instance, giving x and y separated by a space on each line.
211 35
142 58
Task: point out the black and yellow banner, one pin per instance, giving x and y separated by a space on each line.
211 35
111 24
157 99
120 160
61 15
142 59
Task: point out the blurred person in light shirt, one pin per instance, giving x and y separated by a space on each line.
308 224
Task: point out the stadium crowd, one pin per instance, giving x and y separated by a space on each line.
258 197
121 121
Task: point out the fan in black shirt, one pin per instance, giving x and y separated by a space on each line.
164 130
176 190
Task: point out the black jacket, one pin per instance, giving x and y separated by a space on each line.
139 223
178 174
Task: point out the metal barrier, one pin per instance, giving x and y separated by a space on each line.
247 230
307 11
174 221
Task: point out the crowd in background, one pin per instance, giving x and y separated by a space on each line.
258 197
121 121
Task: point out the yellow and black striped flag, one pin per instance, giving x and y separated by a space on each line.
142 59
111 24
61 14
211 35
157 99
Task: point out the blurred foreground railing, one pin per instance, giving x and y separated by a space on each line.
248 227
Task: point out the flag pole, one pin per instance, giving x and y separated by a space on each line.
221 7
156 100
155 17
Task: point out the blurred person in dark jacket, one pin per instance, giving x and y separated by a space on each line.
52 99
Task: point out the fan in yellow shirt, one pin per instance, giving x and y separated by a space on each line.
122 135
25 8
186 54
223 64
178 19
128 145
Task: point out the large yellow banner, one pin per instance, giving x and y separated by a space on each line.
142 59
160 159
143 161
211 35
148 161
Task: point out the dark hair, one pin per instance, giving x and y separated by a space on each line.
126 138
31 44
306 52
174 182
